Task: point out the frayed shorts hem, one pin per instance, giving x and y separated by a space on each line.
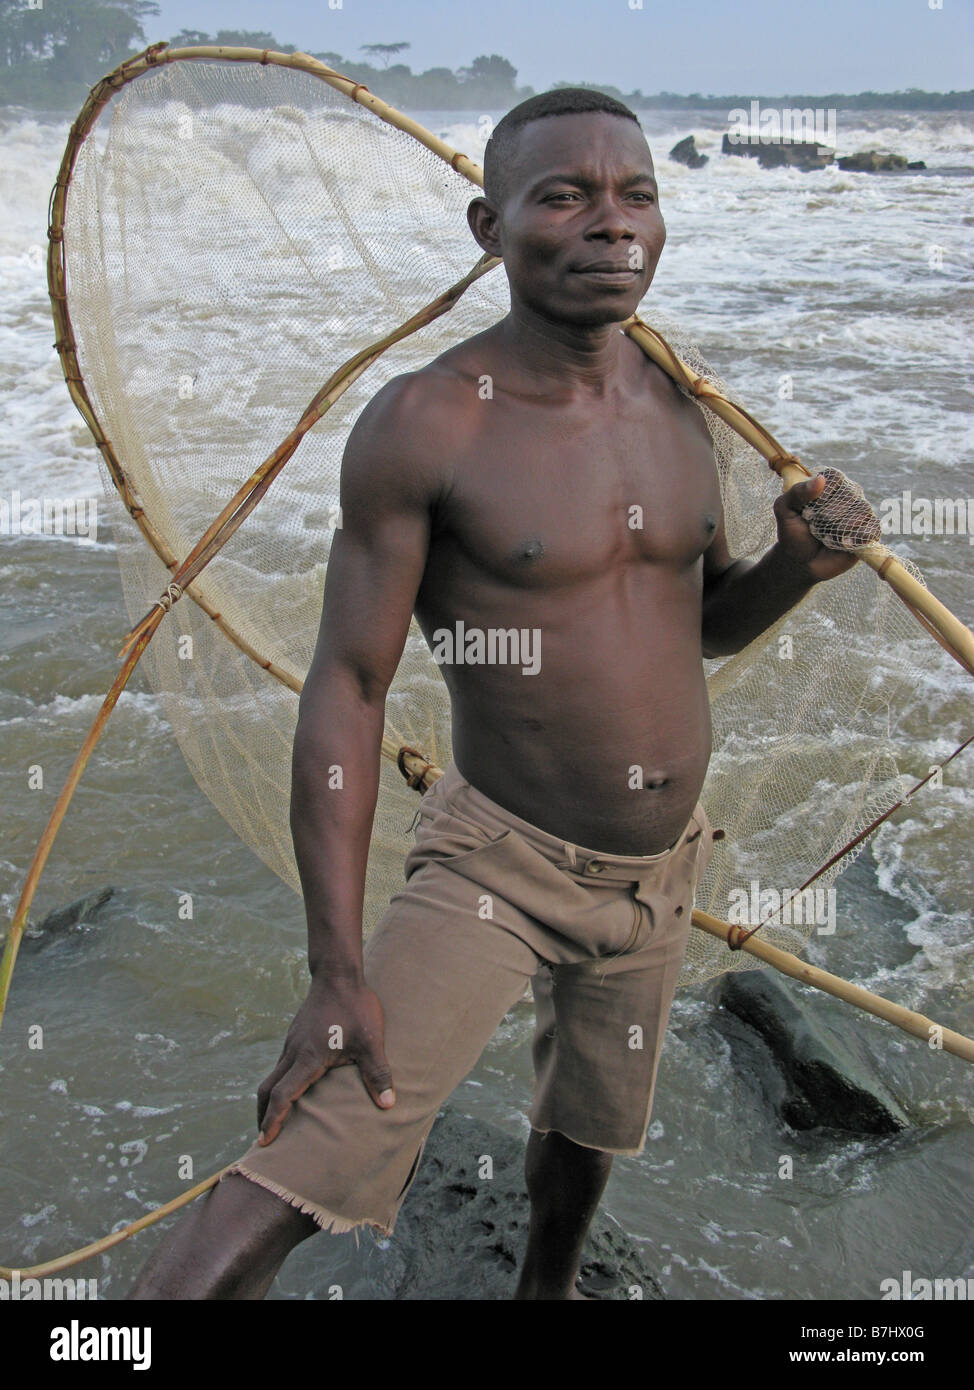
584 1144
325 1219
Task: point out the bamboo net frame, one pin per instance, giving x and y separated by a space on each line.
421 773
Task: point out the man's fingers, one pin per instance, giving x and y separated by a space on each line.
378 1079
799 495
267 1085
290 1087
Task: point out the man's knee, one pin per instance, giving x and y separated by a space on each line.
258 1212
553 1146
229 1245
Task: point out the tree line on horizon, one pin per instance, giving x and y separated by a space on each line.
52 53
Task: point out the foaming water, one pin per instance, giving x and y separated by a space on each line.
838 307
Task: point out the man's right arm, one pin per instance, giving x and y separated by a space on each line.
388 494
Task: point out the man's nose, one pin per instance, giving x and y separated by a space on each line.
612 219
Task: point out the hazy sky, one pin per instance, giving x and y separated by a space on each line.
709 46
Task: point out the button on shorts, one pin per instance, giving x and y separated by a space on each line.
490 905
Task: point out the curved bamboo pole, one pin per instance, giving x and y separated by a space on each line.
936 618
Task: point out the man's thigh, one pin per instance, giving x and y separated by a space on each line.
601 1023
445 978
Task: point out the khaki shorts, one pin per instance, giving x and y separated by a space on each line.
492 904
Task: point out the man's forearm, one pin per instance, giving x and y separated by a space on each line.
334 787
747 598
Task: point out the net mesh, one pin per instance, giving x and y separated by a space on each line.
234 232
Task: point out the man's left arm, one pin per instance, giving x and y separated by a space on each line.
741 598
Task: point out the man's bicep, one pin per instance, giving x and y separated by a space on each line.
370 589
377 560
716 558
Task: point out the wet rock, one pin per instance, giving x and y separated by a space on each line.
873 162
686 152
805 157
775 154
917 164
64 919
814 1077
461 1235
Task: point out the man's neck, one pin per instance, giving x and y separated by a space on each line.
580 359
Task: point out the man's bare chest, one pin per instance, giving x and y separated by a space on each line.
537 501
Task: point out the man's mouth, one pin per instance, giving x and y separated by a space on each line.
608 272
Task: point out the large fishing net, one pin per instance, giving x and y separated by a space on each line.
234 232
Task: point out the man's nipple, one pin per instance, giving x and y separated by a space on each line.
529 550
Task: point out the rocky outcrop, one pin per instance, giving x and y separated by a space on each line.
686 152
875 162
806 1070
461 1235
775 154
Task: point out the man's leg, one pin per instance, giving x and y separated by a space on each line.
565 1181
230 1244
445 977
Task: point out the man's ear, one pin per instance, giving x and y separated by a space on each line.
484 222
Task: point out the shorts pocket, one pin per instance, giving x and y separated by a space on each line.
447 838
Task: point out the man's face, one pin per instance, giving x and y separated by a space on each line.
581 232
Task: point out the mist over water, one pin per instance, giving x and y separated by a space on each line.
157 1029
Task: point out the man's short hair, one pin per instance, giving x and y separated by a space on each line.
562 101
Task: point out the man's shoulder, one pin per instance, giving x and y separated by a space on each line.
416 400
421 412
684 405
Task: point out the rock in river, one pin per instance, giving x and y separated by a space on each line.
686 152
814 1076
461 1234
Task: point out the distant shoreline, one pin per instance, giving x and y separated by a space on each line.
39 95
49 66
49 111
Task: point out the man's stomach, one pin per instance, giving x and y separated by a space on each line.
607 750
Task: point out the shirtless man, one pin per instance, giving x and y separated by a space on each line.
506 507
